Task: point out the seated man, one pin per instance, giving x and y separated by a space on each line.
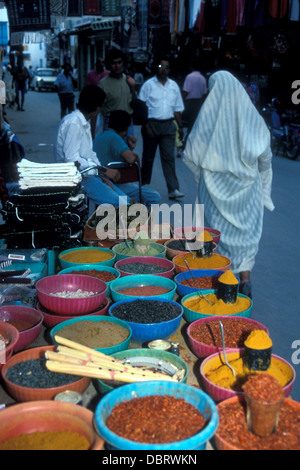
74 144
111 147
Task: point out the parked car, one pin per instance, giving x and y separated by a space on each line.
44 79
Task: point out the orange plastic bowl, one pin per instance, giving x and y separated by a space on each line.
182 268
224 444
171 253
27 418
24 394
192 231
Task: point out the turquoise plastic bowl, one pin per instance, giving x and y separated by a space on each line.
139 280
142 332
191 316
166 356
68 264
111 350
89 267
191 394
117 249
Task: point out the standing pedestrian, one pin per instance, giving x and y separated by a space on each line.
65 86
21 77
163 99
93 78
229 153
119 88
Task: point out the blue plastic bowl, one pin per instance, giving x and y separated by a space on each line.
117 249
111 350
139 280
192 395
166 356
191 316
143 332
69 264
183 290
89 267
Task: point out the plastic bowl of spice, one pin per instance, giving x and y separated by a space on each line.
122 251
233 433
181 417
205 338
205 279
106 274
145 265
196 308
48 425
216 261
51 319
28 322
104 333
220 383
194 232
136 357
26 378
146 285
86 255
149 318
71 294
9 335
178 247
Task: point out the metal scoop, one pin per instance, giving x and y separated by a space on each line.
199 291
224 352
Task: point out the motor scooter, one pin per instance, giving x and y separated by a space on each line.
284 125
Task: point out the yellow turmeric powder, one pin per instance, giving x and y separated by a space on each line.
228 278
258 339
213 262
204 236
47 440
87 256
223 376
218 307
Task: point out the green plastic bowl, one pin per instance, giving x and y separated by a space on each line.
117 249
108 351
104 387
141 280
69 264
89 267
191 315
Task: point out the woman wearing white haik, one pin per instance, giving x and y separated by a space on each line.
229 152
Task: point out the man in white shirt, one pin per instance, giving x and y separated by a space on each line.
163 99
74 144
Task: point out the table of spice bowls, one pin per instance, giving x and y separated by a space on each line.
166 354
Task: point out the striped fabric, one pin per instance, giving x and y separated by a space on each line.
229 153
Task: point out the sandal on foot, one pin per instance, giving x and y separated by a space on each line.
246 289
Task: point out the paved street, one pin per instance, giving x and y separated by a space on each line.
276 287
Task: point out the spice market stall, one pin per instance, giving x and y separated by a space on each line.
166 346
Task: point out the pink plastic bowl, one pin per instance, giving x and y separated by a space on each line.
219 393
11 333
70 282
153 261
51 319
30 315
216 234
203 350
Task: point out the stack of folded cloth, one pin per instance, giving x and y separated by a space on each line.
48 210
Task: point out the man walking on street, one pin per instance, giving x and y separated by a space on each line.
163 99
65 86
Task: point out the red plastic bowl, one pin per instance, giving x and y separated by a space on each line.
219 393
49 416
201 349
171 253
70 282
32 316
216 234
51 319
23 394
162 262
11 333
